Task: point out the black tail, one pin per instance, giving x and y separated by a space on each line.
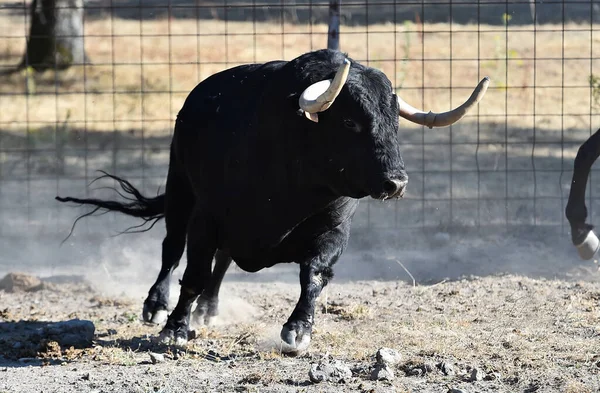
151 210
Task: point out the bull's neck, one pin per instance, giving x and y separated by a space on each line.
285 155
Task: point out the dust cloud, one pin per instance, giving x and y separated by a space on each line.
127 265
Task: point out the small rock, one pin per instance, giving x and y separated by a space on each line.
382 373
387 356
417 371
336 372
14 282
447 368
156 357
455 391
86 377
476 375
17 345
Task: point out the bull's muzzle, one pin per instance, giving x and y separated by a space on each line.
394 188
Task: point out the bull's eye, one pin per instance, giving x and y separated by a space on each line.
349 123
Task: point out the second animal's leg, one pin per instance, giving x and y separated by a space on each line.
315 273
576 210
179 203
208 302
201 248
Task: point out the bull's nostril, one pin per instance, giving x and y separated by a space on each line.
391 186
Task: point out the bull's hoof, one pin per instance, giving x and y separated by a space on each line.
206 312
173 337
203 320
157 317
154 312
296 335
589 246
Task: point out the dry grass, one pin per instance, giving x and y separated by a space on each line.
166 60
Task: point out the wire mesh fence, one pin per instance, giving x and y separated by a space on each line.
507 164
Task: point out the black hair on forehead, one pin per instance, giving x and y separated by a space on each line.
368 86
318 65
372 89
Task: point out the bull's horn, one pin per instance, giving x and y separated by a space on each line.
445 118
319 96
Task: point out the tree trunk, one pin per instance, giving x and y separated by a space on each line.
56 35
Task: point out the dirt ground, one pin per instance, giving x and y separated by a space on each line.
523 314
519 308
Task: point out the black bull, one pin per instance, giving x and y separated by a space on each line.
264 169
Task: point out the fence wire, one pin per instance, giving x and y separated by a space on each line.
507 164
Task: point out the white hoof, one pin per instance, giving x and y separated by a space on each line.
159 317
180 341
165 338
292 344
588 248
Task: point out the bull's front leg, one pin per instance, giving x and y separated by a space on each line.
298 329
315 273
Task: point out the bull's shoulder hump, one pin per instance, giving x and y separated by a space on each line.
230 78
232 84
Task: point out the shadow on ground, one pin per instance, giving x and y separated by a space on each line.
23 340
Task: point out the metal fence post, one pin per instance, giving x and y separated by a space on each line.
333 33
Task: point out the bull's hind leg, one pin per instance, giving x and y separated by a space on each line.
178 207
201 248
315 273
208 303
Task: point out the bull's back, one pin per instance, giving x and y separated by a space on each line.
229 92
216 122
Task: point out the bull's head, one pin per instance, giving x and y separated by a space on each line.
371 156
319 96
